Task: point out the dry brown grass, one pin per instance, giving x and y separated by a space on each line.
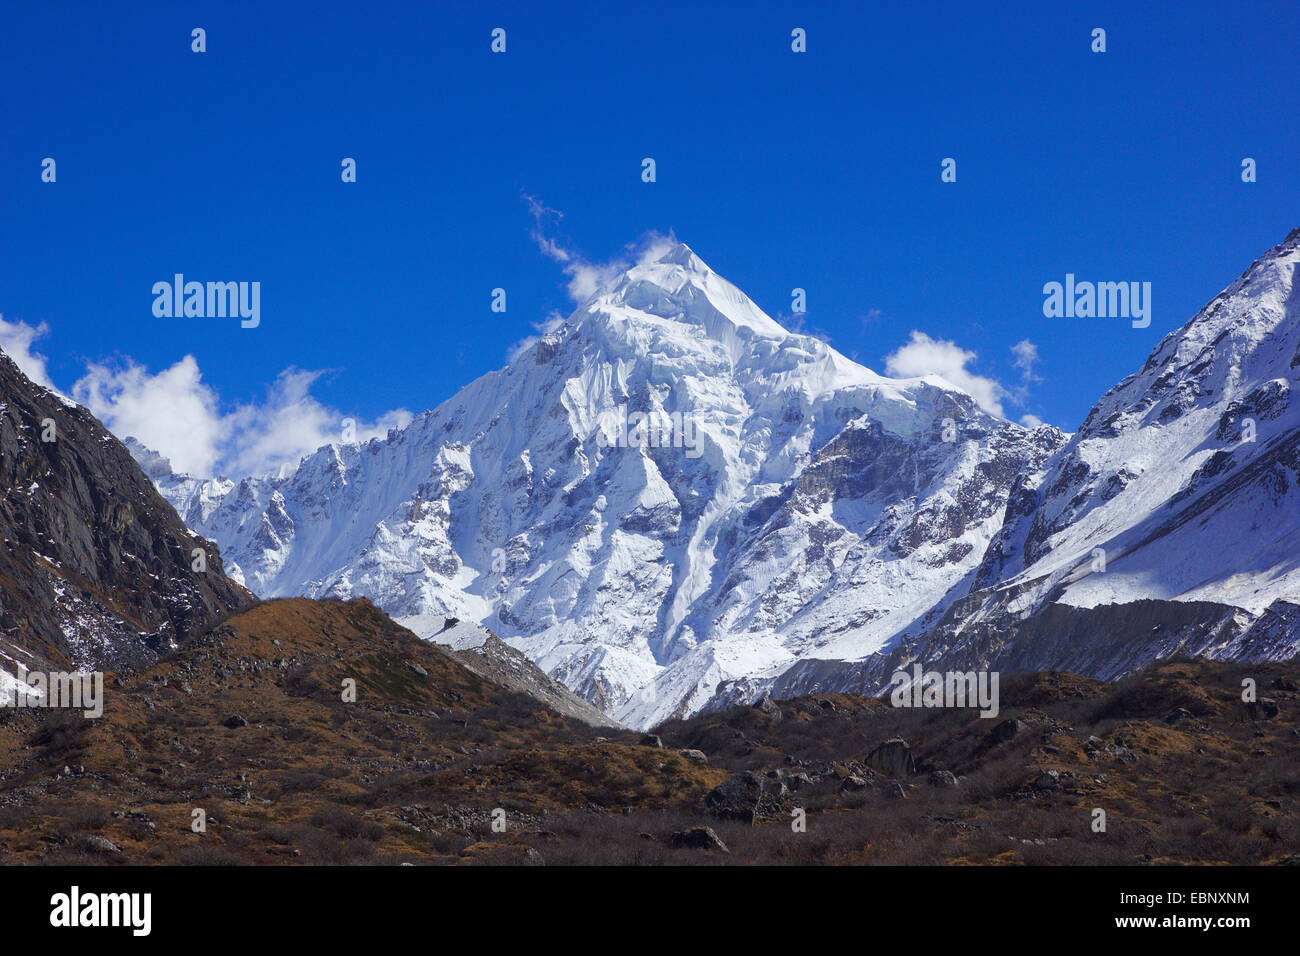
413 770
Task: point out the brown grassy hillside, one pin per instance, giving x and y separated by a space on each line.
248 724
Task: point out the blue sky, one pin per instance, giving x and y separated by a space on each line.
817 170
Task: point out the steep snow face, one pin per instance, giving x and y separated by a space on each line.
668 492
1182 483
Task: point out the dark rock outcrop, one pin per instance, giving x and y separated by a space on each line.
96 569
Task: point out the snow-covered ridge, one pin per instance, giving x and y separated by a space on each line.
1182 481
1167 525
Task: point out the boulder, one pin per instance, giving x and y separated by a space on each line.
98 844
800 781
1047 780
697 838
893 757
943 779
748 797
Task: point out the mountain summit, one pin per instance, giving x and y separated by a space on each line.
673 282
667 492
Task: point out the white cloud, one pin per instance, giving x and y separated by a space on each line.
16 340
291 423
652 247
172 412
923 355
586 278
1025 358
178 415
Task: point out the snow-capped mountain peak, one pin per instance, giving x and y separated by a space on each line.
679 285
667 491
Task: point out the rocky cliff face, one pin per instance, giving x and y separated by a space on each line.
96 569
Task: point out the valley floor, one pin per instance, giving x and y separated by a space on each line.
247 730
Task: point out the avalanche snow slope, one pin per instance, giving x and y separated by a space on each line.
814 508
1170 523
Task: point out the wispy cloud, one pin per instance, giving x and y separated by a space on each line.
587 278
552 322
923 355
1025 357
870 318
